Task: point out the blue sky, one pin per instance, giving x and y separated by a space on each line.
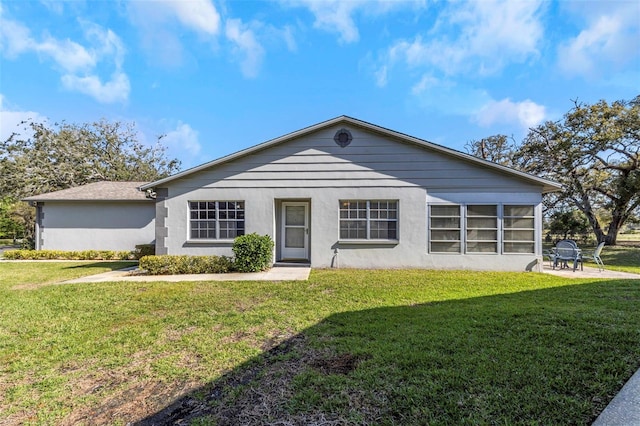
219 76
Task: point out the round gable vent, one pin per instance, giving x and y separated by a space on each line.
343 137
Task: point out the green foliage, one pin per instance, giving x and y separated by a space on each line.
594 152
66 155
183 264
568 224
16 219
253 252
68 255
61 156
144 250
497 149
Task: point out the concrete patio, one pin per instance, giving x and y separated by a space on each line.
589 272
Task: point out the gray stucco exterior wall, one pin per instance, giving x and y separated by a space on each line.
78 225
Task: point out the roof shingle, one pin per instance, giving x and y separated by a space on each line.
97 191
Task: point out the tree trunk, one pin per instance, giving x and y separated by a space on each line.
585 207
617 220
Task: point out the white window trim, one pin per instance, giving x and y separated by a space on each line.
537 212
534 229
191 240
460 216
497 229
368 240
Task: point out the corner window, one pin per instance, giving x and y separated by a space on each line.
216 220
482 229
519 229
444 228
368 220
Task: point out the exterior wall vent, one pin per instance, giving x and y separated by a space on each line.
343 137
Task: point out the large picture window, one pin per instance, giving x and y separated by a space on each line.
482 228
368 220
518 229
445 229
216 220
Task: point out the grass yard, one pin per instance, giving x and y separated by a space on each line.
622 258
346 347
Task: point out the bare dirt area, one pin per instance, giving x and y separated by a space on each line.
130 403
257 394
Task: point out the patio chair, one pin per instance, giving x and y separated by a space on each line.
565 251
551 255
595 256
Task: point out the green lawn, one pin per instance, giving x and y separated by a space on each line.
621 258
348 347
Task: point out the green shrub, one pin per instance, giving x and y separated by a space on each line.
68 255
183 264
144 250
253 252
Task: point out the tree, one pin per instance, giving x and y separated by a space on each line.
10 226
67 155
567 223
497 149
594 152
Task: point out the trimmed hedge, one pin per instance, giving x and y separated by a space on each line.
253 252
183 264
69 255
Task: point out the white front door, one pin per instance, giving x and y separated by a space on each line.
295 230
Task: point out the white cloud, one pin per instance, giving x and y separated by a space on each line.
246 46
161 26
335 16
79 64
117 89
11 117
68 55
526 113
427 81
381 76
199 15
480 37
611 39
182 142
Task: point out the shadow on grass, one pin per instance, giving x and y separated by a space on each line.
551 356
112 265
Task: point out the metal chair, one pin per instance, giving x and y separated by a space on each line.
565 251
595 256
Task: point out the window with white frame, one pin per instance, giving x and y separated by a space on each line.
482 228
368 220
445 229
518 235
216 220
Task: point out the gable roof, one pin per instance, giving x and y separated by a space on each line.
547 185
96 191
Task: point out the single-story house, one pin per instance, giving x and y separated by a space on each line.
96 216
341 193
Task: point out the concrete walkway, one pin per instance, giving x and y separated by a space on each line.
624 409
280 273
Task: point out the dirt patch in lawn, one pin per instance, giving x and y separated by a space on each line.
258 393
130 402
